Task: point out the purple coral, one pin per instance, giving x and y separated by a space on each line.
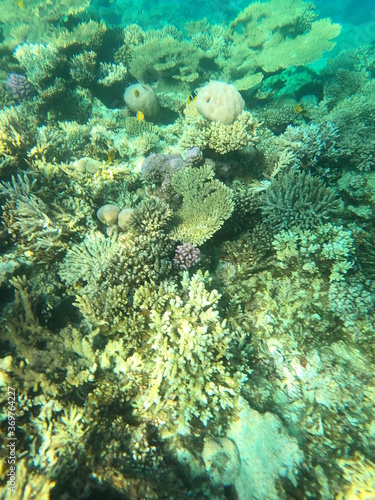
18 86
194 156
157 168
186 256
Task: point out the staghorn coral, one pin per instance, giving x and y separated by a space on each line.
192 370
206 204
296 199
151 217
40 61
111 73
17 132
84 261
327 249
111 269
351 299
17 26
30 221
310 143
83 68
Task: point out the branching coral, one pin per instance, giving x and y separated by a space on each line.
206 204
219 137
310 143
193 371
112 268
296 199
29 220
17 132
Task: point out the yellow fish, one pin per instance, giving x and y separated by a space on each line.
111 155
20 4
140 116
192 96
298 108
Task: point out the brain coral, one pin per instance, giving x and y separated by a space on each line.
220 102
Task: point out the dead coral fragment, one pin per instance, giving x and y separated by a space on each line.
206 204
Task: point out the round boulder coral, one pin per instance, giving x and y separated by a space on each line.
108 214
139 97
220 102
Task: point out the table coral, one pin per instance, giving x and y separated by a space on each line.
206 204
269 36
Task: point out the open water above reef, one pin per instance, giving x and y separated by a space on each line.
187 295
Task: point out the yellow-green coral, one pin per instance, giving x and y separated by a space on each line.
219 137
360 474
189 369
206 204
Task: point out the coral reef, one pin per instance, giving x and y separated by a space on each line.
219 137
186 256
206 204
187 305
296 199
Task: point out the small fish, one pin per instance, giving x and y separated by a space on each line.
136 93
20 4
298 108
192 96
140 116
111 155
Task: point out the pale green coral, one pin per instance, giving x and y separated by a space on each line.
206 204
328 249
219 137
39 60
191 372
272 35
